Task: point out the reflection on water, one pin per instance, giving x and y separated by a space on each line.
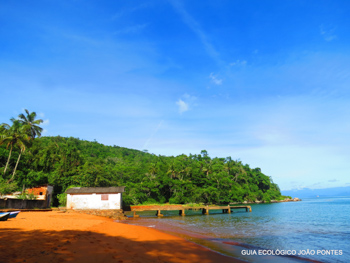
314 224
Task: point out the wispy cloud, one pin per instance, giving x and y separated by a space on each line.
128 11
130 29
328 32
197 29
152 135
238 63
215 79
333 180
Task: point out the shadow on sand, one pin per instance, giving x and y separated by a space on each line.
86 246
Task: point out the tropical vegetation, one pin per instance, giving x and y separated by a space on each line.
28 159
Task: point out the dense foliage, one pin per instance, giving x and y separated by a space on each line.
148 178
18 135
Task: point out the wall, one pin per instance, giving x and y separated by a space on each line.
39 192
111 213
49 195
93 201
42 193
23 204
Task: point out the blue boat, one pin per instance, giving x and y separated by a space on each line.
11 214
14 214
4 216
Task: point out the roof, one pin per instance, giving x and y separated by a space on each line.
95 190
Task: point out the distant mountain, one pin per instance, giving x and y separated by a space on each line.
307 192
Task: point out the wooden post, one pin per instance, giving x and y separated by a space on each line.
182 212
159 213
135 214
229 209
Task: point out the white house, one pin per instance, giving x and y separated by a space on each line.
95 197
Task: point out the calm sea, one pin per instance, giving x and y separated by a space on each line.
314 229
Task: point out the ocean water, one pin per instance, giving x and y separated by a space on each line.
314 229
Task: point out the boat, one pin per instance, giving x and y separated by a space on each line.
4 216
14 214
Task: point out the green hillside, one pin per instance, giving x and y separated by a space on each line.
148 178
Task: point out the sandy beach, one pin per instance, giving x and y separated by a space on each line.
73 237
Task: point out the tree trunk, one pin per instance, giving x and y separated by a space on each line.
14 171
8 160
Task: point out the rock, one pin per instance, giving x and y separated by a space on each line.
117 214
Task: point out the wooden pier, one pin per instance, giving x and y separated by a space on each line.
182 209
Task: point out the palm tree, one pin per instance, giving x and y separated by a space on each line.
35 129
15 135
172 170
5 138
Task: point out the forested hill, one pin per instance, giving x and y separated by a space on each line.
148 178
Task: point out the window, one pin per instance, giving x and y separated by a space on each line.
104 197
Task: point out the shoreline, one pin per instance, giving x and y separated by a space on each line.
229 248
73 237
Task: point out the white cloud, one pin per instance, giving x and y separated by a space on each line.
46 122
183 106
189 97
215 79
327 32
186 102
238 63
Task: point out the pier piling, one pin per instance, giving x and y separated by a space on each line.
205 209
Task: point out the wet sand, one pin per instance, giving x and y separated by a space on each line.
73 237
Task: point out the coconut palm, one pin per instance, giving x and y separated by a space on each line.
35 129
15 135
5 139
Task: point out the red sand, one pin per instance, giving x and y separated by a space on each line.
72 237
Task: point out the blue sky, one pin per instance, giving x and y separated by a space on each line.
266 82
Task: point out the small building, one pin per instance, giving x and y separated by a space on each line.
103 198
39 197
43 192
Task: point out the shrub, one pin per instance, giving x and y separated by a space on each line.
6 188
